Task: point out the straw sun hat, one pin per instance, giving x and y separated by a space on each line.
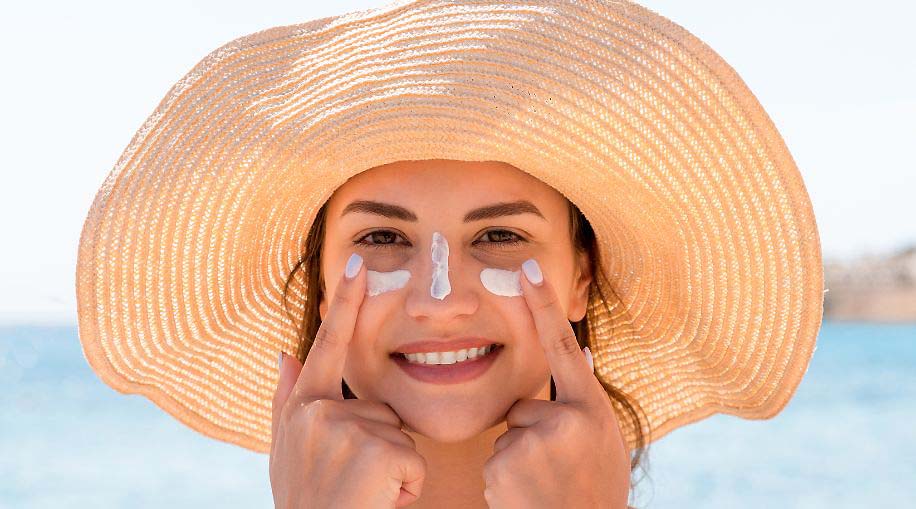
705 227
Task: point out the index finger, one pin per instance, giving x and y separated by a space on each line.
322 371
571 374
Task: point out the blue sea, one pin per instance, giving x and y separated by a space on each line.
847 438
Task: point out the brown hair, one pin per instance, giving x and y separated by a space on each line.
583 239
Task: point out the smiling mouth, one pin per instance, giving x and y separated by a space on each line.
449 373
448 358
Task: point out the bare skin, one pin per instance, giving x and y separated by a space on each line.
458 467
455 427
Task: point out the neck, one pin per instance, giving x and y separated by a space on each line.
454 471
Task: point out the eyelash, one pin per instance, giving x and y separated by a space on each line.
502 245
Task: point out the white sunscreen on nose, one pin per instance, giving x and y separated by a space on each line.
440 286
380 282
502 282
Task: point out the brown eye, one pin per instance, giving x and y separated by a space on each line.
498 238
503 234
379 239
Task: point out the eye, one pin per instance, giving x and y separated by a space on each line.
390 235
383 234
518 239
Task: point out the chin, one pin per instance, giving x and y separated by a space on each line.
450 423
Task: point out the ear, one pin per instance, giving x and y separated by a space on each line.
578 298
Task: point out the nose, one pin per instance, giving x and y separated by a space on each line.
441 292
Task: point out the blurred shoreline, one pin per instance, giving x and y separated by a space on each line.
874 287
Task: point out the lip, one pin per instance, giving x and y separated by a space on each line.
444 374
441 345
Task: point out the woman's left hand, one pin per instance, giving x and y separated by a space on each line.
564 453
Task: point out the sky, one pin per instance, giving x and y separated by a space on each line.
838 79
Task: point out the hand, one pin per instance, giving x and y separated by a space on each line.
564 453
330 452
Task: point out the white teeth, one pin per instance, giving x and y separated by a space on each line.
448 357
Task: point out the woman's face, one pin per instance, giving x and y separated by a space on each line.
435 196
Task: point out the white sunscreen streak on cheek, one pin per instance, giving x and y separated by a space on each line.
504 283
440 286
380 282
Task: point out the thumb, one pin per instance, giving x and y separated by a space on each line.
289 373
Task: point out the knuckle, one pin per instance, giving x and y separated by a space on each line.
348 430
342 297
374 448
320 421
529 442
566 423
494 471
319 410
548 303
326 338
566 342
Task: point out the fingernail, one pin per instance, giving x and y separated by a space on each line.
280 360
588 357
353 265
533 271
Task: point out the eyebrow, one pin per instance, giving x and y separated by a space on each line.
487 212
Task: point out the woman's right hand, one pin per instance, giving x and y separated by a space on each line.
330 452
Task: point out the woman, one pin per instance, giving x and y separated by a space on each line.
387 216
673 236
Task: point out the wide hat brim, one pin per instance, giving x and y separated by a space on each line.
706 231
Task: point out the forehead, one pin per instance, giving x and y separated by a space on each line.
445 186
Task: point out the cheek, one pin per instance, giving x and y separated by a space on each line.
367 353
518 324
503 283
382 282
370 329
528 358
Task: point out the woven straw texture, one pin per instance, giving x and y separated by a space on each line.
705 227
